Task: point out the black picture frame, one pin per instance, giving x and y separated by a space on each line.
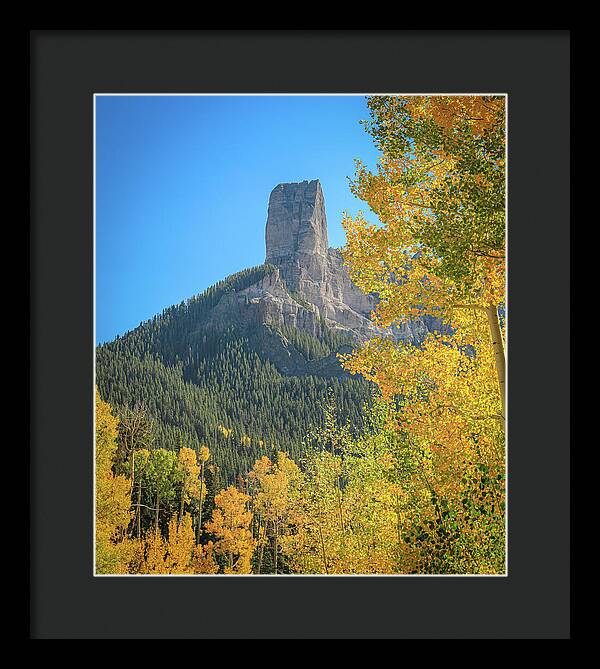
66 69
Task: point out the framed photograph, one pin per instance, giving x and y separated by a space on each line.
285 349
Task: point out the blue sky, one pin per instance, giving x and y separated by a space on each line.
182 186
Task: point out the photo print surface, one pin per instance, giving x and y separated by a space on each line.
301 334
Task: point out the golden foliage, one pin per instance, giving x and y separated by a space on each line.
189 473
204 559
276 491
175 556
113 498
439 194
230 523
226 432
439 251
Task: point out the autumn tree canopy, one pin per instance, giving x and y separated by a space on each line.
439 194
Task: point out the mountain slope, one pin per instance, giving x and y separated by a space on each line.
248 365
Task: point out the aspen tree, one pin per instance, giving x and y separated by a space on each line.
230 524
439 193
136 431
139 463
188 472
113 497
162 474
203 456
276 498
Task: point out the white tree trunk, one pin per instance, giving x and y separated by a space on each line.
498 348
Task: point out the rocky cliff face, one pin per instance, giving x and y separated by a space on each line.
311 272
296 222
309 288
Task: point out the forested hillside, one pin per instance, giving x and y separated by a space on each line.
202 384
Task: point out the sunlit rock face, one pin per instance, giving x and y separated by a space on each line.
309 287
297 245
296 221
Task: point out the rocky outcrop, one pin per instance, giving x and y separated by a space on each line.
297 245
308 288
267 302
296 222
